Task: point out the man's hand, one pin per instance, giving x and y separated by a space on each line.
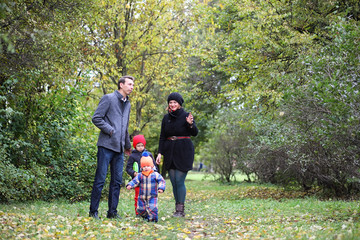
128 151
160 191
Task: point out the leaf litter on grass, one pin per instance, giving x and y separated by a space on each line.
213 211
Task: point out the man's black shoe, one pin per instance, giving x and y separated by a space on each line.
94 215
113 215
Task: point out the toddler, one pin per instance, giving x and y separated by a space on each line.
150 183
133 163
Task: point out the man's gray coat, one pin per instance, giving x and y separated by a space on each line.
112 118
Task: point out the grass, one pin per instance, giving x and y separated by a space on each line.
199 176
213 211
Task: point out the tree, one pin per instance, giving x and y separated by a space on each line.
226 149
325 112
315 141
259 47
40 95
250 45
143 39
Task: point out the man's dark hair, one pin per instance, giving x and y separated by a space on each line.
122 80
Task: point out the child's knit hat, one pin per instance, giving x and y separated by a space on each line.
139 139
146 160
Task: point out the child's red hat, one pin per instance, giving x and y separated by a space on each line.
139 139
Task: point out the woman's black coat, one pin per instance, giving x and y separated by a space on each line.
177 153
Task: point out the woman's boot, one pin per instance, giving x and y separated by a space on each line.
180 210
176 213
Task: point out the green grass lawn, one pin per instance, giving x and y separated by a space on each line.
213 211
199 176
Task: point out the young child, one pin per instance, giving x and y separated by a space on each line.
150 184
133 164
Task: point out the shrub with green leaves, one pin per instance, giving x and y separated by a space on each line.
43 156
18 184
226 150
317 140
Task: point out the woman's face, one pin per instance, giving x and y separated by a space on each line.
174 105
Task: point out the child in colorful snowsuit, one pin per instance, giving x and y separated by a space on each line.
133 163
150 183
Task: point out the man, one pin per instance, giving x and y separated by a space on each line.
112 118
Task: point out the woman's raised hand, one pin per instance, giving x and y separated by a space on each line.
190 119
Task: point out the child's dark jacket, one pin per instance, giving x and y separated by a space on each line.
135 157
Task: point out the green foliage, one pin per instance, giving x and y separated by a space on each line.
43 114
276 57
18 184
40 147
260 58
226 150
51 55
316 141
142 39
251 45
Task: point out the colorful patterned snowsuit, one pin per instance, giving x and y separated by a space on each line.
147 201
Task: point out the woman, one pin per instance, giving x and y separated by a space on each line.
177 148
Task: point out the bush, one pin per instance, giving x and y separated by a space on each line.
18 184
43 155
226 150
317 140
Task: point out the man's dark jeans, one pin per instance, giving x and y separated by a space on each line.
106 157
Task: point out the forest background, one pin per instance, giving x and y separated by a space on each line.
273 85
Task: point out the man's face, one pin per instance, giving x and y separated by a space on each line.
127 87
